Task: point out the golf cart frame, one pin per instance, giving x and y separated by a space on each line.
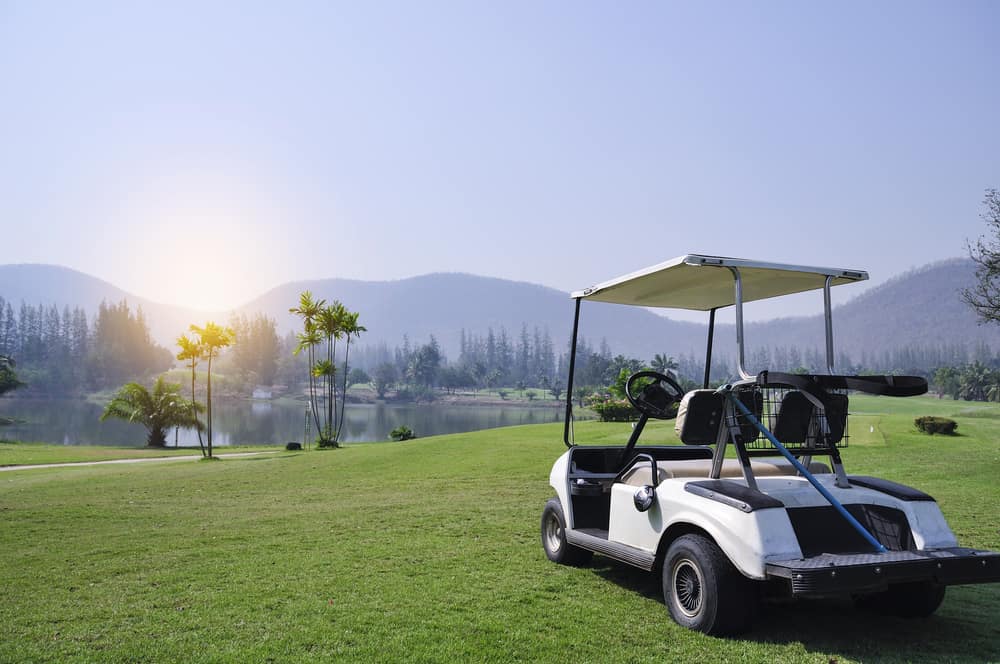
723 530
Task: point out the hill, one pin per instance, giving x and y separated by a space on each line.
53 284
922 307
919 308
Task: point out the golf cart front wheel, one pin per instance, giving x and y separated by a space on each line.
554 541
702 589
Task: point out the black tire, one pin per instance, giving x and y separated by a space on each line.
702 589
554 541
918 599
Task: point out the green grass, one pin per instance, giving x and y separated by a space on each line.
21 454
426 550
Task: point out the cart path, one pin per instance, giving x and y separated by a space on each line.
69 464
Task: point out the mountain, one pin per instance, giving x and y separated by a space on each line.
444 304
919 308
53 284
922 307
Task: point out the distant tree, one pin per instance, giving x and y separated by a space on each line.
358 376
255 353
946 381
192 352
984 296
383 378
121 346
8 378
212 338
424 364
158 410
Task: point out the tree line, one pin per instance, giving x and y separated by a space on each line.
60 351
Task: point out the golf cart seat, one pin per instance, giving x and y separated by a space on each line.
641 475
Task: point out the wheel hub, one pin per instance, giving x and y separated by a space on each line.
687 586
553 533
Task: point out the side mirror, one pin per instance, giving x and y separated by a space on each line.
644 498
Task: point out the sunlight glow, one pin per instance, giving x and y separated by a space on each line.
205 241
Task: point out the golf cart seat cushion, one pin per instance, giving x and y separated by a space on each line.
641 474
795 412
701 413
699 417
791 425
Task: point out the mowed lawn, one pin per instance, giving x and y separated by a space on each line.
428 550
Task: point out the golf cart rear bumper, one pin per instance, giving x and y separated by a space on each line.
833 574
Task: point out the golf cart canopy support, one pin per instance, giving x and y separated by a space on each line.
707 283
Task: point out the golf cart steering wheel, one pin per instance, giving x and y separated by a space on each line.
654 398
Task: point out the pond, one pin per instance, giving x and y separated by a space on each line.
77 422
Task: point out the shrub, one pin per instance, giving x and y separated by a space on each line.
402 433
613 410
932 425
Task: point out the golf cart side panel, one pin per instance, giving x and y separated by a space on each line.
928 525
559 480
746 538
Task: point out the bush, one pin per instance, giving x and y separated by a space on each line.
932 425
402 433
613 410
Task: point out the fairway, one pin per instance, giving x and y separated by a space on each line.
428 550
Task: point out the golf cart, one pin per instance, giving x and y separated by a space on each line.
778 516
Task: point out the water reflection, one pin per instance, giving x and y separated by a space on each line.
77 422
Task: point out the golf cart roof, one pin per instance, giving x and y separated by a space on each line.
695 282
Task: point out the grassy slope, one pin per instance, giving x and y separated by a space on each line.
424 550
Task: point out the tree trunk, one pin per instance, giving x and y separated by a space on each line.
312 391
194 411
208 408
343 403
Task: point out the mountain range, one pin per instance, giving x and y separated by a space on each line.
919 308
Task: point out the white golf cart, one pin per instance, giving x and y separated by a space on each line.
722 531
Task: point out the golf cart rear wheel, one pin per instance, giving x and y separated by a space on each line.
554 541
917 599
702 589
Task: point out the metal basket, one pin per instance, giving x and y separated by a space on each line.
792 418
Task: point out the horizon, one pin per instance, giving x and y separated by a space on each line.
754 312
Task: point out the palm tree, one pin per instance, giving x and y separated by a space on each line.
329 321
212 338
308 310
975 382
350 328
157 411
663 363
191 351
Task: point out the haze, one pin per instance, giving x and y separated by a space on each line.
202 153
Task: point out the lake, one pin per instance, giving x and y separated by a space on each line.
76 422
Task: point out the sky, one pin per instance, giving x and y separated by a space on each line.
201 153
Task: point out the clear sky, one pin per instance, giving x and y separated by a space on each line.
200 153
